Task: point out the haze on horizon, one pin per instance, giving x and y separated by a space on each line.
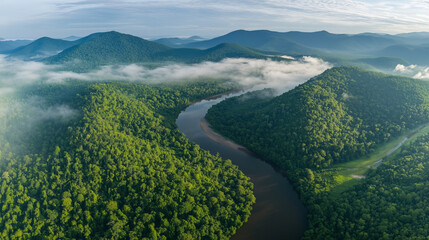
152 19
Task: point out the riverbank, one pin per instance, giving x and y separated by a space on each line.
205 126
278 212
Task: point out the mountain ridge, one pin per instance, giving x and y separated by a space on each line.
116 48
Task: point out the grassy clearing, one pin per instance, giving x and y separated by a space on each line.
354 170
419 132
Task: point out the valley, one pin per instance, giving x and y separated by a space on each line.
278 212
254 134
328 185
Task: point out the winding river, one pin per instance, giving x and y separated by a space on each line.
278 212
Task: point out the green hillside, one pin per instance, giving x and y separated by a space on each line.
115 168
41 48
335 117
117 48
327 135
109 48
390 203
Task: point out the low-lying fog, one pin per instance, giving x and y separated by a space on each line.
256 73
246 72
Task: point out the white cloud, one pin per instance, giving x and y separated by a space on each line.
256 73
415 71
12 12
189 17
247 72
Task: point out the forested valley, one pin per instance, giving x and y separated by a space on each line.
333 119
88 160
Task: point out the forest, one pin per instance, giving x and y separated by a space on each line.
88 160
341 115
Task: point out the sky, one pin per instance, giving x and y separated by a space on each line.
31 19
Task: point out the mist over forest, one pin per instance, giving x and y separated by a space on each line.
91 148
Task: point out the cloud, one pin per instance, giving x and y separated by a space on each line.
246 72
415 71
249 73
189 17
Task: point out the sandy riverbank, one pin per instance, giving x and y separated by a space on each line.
205 126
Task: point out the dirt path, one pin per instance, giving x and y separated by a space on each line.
379 162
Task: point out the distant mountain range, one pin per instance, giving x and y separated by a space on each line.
41 48
178 42
71 38
299 42
116 48
8 45
370 50
411 47
414 54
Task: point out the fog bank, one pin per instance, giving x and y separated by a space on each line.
281 75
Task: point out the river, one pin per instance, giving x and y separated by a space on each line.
278 213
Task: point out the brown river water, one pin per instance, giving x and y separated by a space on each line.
278 213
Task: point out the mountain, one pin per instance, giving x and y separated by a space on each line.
414 35
383 63
71 38
300 42
415 38
413 54
230 50
340 115
340 42
217 53
116 165
261 39
6 46
330 131
41 48
178 42
109 48
116 48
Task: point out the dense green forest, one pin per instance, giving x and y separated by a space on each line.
336 117
106 161
390 203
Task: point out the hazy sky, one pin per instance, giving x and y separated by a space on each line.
207 18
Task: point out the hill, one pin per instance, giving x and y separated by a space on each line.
314 130
72 38
300 42
340 42
41 48
413 54
261 39
117 48
217 53
115 167
383 63
109 48
335 117
178 42
6 46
